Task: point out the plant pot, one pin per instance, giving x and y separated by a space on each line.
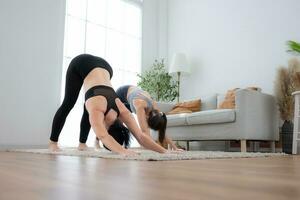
287 136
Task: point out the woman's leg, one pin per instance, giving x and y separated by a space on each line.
85 127
72 89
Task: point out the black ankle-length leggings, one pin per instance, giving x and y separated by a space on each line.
73 85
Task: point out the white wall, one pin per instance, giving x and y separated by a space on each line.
31 50
154 31
231 43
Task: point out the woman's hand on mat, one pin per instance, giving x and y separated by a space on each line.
128 152
173 152
179 150
175 148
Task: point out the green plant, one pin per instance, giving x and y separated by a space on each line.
294 47
158 83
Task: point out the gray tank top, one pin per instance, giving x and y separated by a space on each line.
138 93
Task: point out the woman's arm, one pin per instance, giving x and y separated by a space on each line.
144 139
96 107
155 105
168 139
98 125
141 115
172 144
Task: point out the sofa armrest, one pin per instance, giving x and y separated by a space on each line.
257 115
165 107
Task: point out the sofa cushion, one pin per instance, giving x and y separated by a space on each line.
177 119
209 102
211 117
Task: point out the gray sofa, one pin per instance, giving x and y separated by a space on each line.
254 118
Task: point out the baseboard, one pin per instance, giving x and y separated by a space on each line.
222 146
205 145
260 149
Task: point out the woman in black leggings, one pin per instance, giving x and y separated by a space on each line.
102 106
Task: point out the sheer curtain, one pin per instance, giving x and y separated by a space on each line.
107 28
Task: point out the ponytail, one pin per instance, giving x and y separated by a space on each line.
162 129
158 121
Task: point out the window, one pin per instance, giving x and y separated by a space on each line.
107 28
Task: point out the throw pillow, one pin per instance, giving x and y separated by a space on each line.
229 100
186 107
179 110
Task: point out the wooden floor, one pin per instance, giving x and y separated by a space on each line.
33 176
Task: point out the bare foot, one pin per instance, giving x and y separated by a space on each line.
97 144
82 147
53 146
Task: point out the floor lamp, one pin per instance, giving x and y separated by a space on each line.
179 66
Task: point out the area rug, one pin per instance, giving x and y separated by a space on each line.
146 155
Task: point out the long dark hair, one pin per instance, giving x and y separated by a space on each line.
120 133
158 121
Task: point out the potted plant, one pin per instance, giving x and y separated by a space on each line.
294 47
158 83
287 81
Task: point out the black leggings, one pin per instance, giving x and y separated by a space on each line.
78 69
122 94
73 85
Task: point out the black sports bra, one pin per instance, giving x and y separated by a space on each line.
106 91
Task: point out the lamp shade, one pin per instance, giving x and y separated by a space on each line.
179 64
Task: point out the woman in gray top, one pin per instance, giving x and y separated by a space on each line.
149 116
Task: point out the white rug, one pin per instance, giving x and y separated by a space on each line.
146 155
